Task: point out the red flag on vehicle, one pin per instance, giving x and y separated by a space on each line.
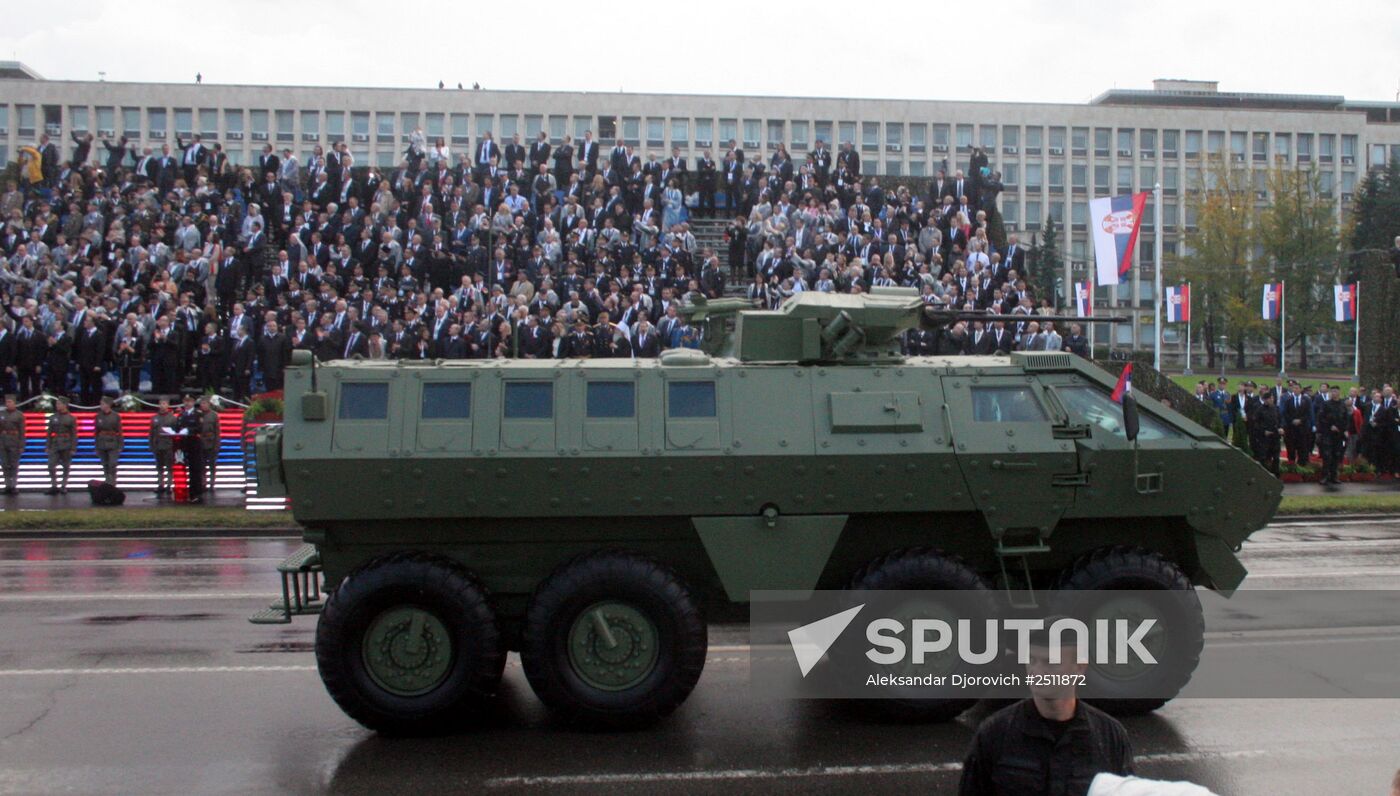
1125 383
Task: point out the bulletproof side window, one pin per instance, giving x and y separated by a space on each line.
365 401
1006 405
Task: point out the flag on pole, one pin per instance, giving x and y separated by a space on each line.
1084 299
1125 383
1178 304
1344 302
1273 301
1117 220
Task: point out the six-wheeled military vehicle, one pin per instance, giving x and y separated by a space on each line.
594 515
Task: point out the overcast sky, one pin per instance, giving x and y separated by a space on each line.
1005 50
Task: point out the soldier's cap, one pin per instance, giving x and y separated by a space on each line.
1222 380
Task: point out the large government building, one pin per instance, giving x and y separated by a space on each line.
1053 157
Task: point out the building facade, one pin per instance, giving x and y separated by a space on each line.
1053 157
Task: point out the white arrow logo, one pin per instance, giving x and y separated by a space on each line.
811 641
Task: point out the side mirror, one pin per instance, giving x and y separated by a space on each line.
1130 418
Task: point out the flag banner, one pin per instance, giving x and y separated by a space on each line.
1117 220
1084 299
1273 301
1344 302
1125 383
1178 300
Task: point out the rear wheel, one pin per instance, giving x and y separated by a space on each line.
1176 639
408 645
922 569
613 639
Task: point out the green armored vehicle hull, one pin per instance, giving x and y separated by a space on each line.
595 514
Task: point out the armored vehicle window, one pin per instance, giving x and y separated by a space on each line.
365 401
529 400
611 399
447 401
690 399
1006 405
1099 408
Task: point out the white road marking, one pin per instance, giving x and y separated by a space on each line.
61 597
154 670
1327 573
890 769
135 562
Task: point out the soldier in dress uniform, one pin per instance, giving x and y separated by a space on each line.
209 436
61 441
191 422
1265 432
11 442
163 446
107 430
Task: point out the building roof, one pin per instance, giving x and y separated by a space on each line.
15 70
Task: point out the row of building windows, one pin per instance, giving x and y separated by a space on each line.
281 126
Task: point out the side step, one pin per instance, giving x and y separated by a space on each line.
301 589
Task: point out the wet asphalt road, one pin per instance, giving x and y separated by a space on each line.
126 666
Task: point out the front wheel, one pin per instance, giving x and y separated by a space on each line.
408 645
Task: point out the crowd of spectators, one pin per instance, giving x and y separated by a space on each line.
160 270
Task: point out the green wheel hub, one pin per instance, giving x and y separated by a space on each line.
612 646
407 651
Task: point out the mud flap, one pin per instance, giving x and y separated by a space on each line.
1218 563
754 552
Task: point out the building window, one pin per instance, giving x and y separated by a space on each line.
1034 172
1261 146
1033 140
1305 147
359 126
632 130
1378 154
1011 212
847 133
1125 143
1057 177
1171 178
155 120
233 123
1169 141
310 125
557 127
1215 143
1125 179
894 136
131 122
106 120
1033 216
870 136
1193 144
1011 175
53 119
335 126
1102 136
1079 140
209 122
752 129
384 127
918 138
894 168
1148 177
286 126
510 126
461 127
704 133
1283 145
964 137
680 132
1237 145
534 123
485 123
777 130
728 131
434 129
1079 177
799 135
917 168
989 136
940 137
1348 148
1057 213
1101 181
1079 215
184 122
656 132
1057 140
1147 142
823 133
1326 146
78 118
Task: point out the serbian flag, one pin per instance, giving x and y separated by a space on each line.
1083 299
1117 220
1125 383
1178 304
1344 302
1273 301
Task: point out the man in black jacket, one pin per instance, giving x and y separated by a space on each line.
90 350
240 364
274 353
31 352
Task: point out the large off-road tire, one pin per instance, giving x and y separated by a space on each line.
1125 568
919 569
408 645
613 640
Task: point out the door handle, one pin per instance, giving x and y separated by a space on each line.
998 464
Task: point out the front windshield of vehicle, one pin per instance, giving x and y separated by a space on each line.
1097 408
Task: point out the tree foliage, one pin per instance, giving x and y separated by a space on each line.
1299 241
1375 224
1043 259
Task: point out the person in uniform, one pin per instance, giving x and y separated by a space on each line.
163 446
191 423
1052 742
209 436
108 441
1333 421
11 442
1265 429
61 441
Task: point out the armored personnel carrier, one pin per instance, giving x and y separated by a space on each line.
593 515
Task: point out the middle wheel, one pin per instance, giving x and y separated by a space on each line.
613 639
